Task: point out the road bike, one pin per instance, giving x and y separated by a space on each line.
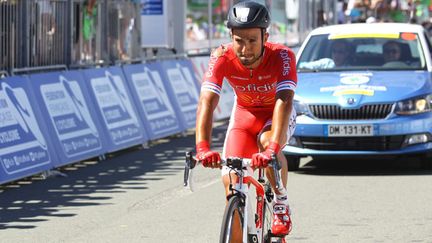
254 223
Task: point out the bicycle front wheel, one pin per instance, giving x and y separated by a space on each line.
232 223
267 216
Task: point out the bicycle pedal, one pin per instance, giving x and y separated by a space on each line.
277 239
277 236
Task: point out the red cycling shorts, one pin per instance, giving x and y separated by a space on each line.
244 129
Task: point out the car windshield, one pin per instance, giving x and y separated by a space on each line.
401 51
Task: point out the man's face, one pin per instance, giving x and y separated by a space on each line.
392 52
247 44
340 53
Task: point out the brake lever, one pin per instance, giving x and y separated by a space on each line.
190 163
276 167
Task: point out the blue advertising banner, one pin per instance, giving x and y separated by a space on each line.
152 100
72 125
115 108
183 88
24 150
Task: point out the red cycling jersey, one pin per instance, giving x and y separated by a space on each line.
253 87
255 93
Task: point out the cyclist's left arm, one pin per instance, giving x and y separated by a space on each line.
281 114
285 87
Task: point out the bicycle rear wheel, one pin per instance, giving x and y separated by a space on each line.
233 218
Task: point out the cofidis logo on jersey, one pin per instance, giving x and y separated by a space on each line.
213 59
256 88
286 59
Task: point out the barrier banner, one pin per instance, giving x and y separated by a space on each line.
24 150
147 88
227 96
65 105
182 87
115 108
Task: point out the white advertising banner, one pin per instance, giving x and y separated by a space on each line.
156 26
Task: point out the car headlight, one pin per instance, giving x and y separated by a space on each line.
414 106
301 108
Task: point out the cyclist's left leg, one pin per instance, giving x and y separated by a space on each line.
282 222
264 139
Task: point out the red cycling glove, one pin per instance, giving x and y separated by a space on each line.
261 160
206 156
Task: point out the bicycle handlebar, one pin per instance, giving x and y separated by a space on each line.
232 162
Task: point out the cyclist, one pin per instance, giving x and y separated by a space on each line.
263 76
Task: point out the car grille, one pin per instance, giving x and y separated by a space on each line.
335 112
381 143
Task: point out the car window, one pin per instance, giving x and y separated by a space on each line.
400 51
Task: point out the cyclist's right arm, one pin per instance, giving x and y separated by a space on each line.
204 124
209 98
204 121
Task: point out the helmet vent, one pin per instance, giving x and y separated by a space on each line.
242 14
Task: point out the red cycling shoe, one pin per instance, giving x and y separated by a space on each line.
281 220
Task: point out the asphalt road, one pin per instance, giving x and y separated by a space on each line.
137 196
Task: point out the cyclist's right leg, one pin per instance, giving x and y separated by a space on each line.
240 141
241 136
229 178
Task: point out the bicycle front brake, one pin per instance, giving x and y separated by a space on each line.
190 163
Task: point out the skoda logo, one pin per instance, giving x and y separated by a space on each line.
350 101
355 79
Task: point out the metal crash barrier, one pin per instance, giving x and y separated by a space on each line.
42 33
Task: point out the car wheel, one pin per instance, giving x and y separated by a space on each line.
293 163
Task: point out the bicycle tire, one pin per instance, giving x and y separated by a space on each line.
235 204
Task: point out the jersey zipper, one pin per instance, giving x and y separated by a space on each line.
251 73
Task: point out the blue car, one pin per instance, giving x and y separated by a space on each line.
363 90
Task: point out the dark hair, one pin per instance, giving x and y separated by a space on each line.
392 42
248 14
345 43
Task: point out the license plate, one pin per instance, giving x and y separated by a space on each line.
350 130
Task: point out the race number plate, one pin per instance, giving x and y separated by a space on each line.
350 130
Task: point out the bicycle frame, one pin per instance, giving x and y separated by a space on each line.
242 186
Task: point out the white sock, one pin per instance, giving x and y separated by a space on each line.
282 198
